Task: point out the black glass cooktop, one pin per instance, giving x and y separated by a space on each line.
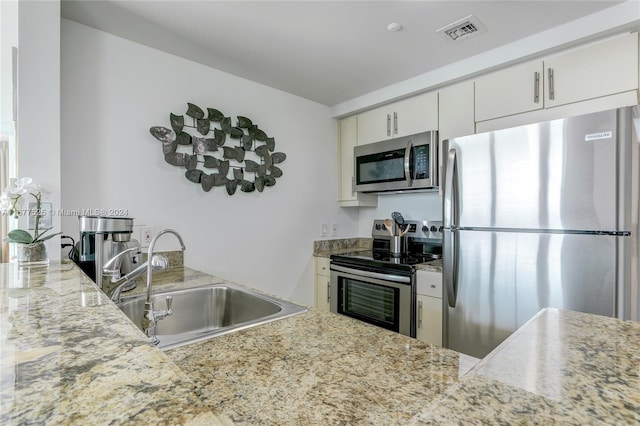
382 259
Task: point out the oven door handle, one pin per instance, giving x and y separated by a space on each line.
375 275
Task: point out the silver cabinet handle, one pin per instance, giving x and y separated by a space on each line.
552 94
536 87
388 124
419 313
395 123
328 291
353 185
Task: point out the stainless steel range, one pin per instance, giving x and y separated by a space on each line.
378 286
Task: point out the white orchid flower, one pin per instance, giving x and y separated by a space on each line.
24 185
11 202
20 187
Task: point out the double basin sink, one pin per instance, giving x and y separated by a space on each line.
204 312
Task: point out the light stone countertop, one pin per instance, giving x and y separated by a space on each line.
561 367
68 356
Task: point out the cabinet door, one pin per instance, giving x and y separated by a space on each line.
510 91
322 293
414 115
593 71
429 318
374 126
347 140
322 282
455 117
456 112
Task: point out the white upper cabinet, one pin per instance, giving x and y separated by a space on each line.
456 112
600 69
374 125
407 117
347 140
510 91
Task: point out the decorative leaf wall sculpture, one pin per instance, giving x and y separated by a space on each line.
192 140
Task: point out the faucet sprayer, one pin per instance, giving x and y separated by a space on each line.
150 317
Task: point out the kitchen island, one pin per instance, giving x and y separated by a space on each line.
69 356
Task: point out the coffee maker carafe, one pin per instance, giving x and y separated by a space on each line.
102 238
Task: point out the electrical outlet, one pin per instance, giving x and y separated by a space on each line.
324 229
146 235
334 229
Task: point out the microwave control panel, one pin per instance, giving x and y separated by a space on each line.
421 162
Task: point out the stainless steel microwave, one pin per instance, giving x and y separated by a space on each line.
400 164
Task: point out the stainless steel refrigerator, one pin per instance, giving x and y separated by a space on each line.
538 216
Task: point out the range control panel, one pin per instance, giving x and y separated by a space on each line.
431 229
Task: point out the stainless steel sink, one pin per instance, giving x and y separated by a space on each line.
203 312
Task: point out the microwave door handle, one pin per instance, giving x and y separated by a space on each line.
407 163
450 223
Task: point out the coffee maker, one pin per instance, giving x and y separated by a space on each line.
102 238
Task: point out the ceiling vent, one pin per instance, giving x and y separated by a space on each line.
462 29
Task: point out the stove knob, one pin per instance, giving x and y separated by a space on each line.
433 228
425 229
441 229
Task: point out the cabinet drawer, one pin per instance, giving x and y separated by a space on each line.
429 283
322 266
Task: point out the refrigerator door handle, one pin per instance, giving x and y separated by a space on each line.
407 163
450 266
450 236
449 202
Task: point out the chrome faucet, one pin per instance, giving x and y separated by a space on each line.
113 269
150 317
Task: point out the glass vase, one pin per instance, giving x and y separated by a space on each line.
32 254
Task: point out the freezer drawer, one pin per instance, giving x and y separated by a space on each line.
504 278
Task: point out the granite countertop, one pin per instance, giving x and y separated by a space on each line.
68 355
319 368
562 367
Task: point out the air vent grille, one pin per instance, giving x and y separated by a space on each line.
462 28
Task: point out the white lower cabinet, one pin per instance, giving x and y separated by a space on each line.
322 283
429 307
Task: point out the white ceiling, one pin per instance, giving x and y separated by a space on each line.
326 51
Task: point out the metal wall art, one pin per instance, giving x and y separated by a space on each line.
208 161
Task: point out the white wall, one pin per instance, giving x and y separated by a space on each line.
39 101
114 90
8 40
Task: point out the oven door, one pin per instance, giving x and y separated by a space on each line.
381 299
